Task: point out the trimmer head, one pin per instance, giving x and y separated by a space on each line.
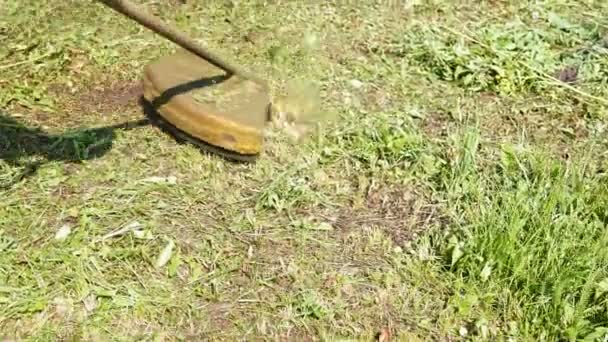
197 102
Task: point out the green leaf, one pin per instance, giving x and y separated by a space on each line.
486 272
602 288
558 21
457 253
599 334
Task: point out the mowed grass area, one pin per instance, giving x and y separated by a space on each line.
459 193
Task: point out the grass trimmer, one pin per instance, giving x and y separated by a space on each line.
199 97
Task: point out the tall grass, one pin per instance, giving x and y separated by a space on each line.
533 240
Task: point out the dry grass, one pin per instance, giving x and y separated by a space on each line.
458 195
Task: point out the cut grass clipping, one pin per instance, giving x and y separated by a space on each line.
460 194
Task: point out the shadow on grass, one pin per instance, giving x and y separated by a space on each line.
19 142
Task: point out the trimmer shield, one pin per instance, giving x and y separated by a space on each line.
198 102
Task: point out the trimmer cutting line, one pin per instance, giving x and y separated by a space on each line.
199 97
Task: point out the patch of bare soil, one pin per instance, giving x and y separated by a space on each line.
110 96
100 103
217 315
399 211
378 98
508 121
537 125
436 124
295 335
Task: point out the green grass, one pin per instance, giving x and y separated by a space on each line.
460 193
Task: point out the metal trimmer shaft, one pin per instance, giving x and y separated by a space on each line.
133 12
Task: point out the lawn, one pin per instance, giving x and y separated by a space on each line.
458 192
